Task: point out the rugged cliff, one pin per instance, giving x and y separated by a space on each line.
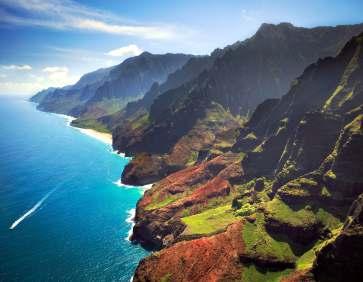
241 76
285 205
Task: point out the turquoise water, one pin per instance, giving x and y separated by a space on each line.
57 191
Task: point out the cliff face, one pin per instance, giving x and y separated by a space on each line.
137 109
340 259
241 77
276 208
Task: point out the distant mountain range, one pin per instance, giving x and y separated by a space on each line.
106 91
255 153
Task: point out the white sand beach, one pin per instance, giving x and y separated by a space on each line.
104 137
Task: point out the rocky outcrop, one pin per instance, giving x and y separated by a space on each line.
184 142
158 212
214 258
341 258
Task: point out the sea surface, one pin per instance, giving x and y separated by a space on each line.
63 217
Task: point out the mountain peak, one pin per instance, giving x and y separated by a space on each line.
268 27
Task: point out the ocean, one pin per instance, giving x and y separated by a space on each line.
64 214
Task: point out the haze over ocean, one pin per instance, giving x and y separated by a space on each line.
62 215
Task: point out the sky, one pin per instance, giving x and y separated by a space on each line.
47 43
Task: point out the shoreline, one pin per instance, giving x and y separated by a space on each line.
100 136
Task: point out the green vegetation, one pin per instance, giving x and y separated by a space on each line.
332 97
91 124
327 219
330 174
156 204
245 210
281 212
166 278
250 136
140 122
192 158
306 260
252 273
355 127
259 243
209 221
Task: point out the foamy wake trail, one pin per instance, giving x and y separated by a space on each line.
32 210
130 220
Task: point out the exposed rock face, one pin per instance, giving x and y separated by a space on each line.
146 169
341 258
158 212
214 258
184 142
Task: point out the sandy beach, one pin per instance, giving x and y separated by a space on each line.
104 137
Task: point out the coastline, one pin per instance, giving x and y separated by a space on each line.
101 136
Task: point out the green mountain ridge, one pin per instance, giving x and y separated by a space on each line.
292 199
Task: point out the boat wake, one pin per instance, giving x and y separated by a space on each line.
32 210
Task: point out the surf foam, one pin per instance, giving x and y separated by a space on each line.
130 220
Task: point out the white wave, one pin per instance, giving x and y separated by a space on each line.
32 210
122 155
140 188
130 220
68 119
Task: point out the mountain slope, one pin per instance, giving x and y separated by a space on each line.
137 109
241 76
287 194
106 91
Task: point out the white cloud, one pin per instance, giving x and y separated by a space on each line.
58 14
3 75
55 69
59 76
129 50
19 88
16 67
31 83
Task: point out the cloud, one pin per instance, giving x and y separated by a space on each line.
2 75
30 83
58 75
16 67
58 14
19 88
55 69
130 50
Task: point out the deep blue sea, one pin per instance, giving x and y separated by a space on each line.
57 192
